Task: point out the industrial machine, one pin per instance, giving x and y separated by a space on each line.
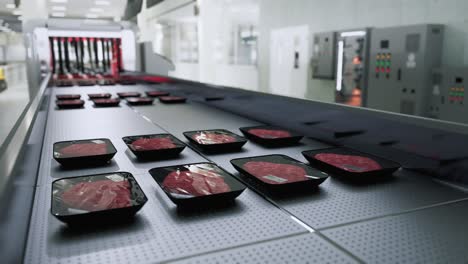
324 56
351 70
68 53
447 94
400 67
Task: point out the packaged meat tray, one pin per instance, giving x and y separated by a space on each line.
278 172
105 82
157 146
85 82
270 135
70 104
348 162
129 94
68 96
106 102
215 140
92 199
172 99
140 101
99 96
197 184
63 83
156 93
126 82
84 152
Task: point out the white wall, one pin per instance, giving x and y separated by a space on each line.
188 71
333 15
215 22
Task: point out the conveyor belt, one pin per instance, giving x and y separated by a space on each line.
254 229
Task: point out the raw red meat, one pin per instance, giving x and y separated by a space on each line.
129 94
171 98
350 163
195 182
206 138
106 101
99 95
267 133
274 173
98 195
68 96
152 144
156 94
84 149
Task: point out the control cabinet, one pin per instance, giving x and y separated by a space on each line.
324 55
351 70
400 67
447 97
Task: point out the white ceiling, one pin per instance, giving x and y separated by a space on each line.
102 9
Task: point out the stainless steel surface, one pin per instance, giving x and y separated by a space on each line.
160 232
321 226
433 235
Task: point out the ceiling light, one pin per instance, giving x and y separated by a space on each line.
102 3
58 1
91 16
96 10
59 8
17 12
58 14
11 6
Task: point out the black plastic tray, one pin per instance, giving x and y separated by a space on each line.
129 94
126 82
70 104
63 83
85 82
156 93
83 158
131 199
274 179
279 137
201 139
106 102
68 96
140 101
103 82
376 166
99 96
155 153
229 187
172 99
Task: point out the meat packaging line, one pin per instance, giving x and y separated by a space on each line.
364 209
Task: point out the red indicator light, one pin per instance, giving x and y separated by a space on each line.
356 60
377 69
388 70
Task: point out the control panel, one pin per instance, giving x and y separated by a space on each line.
351 70
324 55
447 98
401 64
